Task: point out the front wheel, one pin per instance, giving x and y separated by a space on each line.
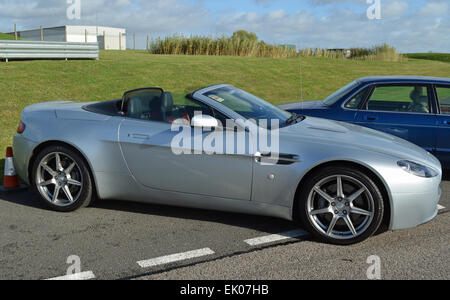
62 179
341 205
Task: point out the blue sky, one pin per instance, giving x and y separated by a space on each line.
411 26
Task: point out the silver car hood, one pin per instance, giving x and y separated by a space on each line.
315 130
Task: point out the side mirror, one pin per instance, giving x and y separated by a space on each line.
202 121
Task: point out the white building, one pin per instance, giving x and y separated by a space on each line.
109 38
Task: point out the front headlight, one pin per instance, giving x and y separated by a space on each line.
417 169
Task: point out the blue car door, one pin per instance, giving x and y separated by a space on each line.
443 138
403 110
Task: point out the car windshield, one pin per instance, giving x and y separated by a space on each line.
249 106
333 98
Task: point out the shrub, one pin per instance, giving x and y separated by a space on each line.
241 43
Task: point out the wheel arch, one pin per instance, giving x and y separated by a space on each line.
45 144
387 199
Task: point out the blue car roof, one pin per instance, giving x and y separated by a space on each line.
388 79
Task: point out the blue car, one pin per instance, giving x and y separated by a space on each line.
414 108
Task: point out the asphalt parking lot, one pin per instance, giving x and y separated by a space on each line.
119 240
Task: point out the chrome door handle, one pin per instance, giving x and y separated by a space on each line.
259 156
139 136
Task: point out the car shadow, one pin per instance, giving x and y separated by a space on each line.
24 197
254 222
260 223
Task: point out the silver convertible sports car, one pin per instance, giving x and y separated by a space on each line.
340 180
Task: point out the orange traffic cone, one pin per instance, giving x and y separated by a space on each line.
10 180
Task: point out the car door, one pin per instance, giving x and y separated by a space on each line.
443 138
403 110
147 142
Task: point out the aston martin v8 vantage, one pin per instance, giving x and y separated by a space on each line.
340 180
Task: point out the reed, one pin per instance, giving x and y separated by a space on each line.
377 53
221 46
243 43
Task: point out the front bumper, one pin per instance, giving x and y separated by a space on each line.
413 209
23 149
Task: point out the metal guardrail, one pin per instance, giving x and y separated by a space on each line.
47 50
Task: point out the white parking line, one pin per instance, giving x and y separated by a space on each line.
276 237
440 207
78 276
174 257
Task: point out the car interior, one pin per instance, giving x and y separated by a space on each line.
443 94
413 99
161 107
357 100
154 105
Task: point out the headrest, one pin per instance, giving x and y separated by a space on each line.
166 100
423 100
134 107
416 93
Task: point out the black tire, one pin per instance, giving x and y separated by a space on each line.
85 192
315 224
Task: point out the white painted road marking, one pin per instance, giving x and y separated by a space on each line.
174 257
78 276
276 237
440 207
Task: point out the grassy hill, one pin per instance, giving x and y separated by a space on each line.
4 36
276 80
445 57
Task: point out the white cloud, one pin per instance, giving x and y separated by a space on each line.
434 8
328 2
276 14
263 1
407 27
394 9
155 17
346 28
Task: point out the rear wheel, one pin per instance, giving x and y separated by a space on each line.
62 179
341 205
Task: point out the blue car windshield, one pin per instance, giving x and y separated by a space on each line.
333 98
248 105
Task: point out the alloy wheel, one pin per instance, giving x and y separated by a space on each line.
59 179
340 207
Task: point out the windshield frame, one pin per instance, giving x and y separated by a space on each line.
339 94
235 114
